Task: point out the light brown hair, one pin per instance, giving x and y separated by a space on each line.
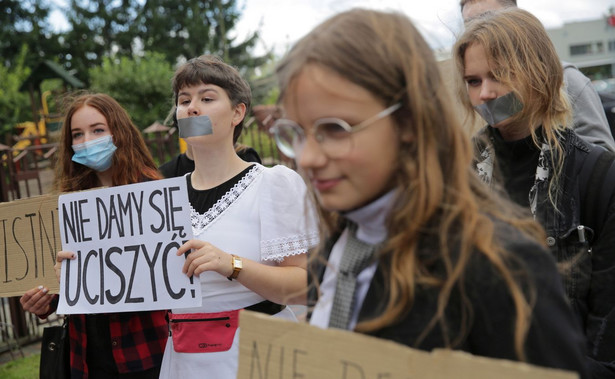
503 3
521 57
438 197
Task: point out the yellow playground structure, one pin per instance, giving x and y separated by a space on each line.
38 130
36 133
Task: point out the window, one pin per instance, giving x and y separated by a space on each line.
612 45
599 47
581 49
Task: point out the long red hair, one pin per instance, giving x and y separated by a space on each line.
132 161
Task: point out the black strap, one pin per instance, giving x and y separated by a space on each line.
599 190
267 307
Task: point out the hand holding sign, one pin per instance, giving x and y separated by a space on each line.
204 257
36 301
62 255
124 241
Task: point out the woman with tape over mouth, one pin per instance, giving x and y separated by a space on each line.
509 73
252 225
100 146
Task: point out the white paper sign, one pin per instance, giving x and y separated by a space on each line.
126 240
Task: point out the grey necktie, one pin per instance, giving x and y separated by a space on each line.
357 256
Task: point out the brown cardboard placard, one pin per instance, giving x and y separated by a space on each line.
29 242
273 348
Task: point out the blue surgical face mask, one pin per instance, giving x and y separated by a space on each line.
96 154
499 109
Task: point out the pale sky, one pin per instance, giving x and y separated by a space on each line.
282 22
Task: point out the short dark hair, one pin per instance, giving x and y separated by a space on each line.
209 69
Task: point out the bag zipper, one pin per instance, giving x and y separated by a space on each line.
201 319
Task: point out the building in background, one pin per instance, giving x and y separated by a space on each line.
590 45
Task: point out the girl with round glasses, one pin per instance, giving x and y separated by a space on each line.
414 248
333 134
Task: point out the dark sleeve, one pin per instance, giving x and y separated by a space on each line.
178 166
554 339
248 154
600 323
169 168
52 307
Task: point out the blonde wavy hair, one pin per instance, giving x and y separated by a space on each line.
439 199
522 58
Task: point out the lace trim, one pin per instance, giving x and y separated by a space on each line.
200 222
280 248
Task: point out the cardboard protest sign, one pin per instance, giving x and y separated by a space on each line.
274 348
29 241
125 239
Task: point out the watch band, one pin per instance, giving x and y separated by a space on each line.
237 265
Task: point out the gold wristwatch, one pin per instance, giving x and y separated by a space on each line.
237 265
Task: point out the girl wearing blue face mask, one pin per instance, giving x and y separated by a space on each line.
100 146
510 73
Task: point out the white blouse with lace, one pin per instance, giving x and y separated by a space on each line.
265 218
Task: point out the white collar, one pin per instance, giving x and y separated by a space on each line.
371 218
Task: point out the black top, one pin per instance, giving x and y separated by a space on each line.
178 166
587 259
517 162
99 356
181 164
202 200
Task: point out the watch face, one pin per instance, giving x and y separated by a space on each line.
237 263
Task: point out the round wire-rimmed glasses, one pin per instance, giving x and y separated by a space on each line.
333 134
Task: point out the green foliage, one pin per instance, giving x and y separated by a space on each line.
14 105
141 85
98 29
260 141
178 30
186 29
126 48
264 83
56 87
265 90
25 22
22 368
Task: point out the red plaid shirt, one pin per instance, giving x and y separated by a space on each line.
138 340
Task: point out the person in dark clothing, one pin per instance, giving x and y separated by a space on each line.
184 163
509 72
416 249
608 103
588 119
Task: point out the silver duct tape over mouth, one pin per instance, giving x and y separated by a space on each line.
194 126
499 109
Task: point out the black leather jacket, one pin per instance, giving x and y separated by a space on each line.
585 249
